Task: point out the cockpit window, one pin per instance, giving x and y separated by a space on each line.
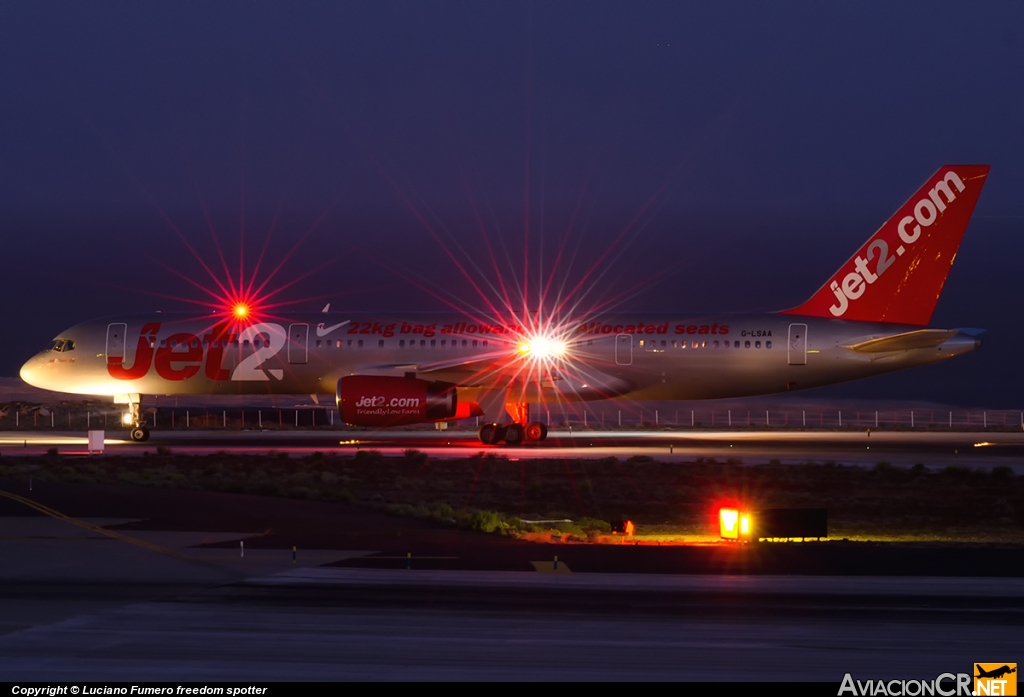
61 345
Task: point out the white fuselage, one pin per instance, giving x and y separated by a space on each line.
668 357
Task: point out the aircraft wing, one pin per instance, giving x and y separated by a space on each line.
478 364
573 381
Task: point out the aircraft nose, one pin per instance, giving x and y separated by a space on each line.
29 372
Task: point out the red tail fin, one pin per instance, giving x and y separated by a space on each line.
898 274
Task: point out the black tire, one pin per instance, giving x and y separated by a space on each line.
543 431
139 434
514 434
535 431
489 434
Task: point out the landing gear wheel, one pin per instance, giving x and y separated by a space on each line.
514 434
535 430
139 434
490 434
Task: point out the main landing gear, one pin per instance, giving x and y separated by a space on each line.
513 434
520 431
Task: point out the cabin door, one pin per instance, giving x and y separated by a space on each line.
798 344
298 343
624 349
115 343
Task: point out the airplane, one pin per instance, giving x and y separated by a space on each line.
995 673
870 317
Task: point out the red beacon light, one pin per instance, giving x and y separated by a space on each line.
734 524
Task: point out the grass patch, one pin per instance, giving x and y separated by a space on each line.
491 494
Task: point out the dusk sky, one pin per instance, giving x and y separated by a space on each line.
756 146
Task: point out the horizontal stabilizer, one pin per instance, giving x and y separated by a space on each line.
922 338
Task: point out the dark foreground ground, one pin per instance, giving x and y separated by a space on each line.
77 605
399 542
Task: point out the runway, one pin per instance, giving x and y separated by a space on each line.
141 618
937 449
273 628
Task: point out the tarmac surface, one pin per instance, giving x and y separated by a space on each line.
902 448
183 603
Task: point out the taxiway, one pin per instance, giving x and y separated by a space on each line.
902 448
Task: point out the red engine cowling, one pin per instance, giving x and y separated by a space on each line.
379 400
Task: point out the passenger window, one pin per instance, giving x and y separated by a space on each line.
482 343
444 343
359 344
704 344
641 342
257 343
195 343
767 344
423 343
736 345
746 344
401 343
757 344
463 343
244 343
433 343
338 344
693 344
474 343
663 344
714 344
380 343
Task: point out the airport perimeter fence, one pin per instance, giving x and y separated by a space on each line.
828 418
22 417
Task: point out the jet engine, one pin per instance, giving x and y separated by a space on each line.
382 401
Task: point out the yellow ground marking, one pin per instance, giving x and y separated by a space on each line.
95 528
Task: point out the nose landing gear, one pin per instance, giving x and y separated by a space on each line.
138 432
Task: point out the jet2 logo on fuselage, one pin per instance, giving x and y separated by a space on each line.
183 355
926 213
